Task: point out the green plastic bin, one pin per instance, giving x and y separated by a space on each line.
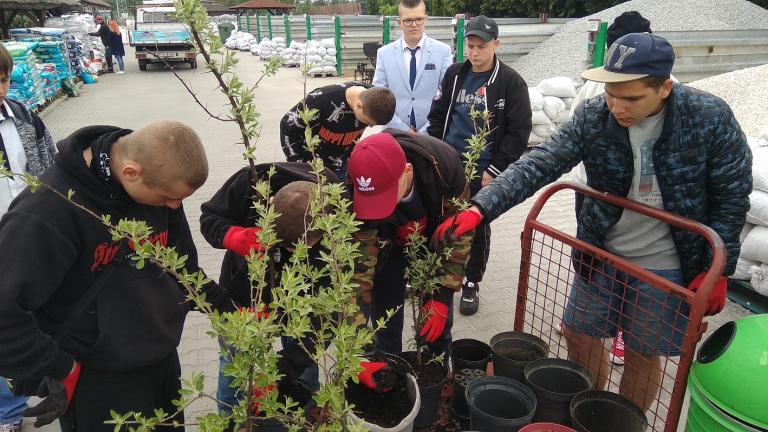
728 382
225 29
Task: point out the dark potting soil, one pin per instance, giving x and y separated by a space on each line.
384 408
561 381
520 350
428 374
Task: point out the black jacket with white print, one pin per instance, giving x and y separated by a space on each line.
508 101
334 123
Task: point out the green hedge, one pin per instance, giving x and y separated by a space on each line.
509 8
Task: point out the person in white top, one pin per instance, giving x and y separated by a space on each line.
26 146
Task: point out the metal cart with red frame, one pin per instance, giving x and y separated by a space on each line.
546 278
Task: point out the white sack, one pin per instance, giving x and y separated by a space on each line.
537 99
558 86
758 208
553 107
539 117
535 139
743 268
760 168
755 246
759 279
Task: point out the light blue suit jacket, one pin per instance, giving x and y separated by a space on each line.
392 73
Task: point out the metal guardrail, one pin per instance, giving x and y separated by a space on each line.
701 54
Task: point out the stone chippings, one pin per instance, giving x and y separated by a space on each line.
746 91
565 53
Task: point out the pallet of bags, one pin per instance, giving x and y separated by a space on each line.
550 106
25 86
753 261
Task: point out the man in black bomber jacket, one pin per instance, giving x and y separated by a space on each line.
119 351
482 82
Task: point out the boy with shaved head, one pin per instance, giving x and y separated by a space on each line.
80 324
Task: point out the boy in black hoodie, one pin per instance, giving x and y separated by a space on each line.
484 82
228 221
79 323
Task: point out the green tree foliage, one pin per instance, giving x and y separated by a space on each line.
508 8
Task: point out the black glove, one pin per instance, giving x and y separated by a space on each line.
57 396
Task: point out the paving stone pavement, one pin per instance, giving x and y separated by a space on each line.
137 97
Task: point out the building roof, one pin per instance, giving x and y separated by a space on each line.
263 4
99 3
37 4
214 6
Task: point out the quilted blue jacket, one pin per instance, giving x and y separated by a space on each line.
702 161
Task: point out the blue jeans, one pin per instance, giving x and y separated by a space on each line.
120 62
226 394
11 406
653 321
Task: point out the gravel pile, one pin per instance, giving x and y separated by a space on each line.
565 53
746 92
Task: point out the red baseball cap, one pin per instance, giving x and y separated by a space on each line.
375 166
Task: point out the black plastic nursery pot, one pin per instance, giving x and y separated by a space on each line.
431 378
512 351
602 411
469 361
266 425
555 382
499 404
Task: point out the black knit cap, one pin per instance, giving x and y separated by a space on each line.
626 23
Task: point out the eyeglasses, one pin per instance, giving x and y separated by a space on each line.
413 21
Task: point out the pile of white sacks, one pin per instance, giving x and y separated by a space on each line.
319 55
551 104
753 262
241 41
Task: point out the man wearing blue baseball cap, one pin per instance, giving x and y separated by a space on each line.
653 141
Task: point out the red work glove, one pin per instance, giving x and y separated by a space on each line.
437 315
259 392
367 376
454 227
57 394
241 240
716 300
258 313
404 231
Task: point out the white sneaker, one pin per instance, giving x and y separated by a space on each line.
120 72
617 349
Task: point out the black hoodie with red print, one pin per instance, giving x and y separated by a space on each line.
53 252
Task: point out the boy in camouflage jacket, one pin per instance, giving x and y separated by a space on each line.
398 180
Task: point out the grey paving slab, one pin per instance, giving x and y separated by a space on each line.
137 97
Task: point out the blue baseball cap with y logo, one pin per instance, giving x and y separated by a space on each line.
634 56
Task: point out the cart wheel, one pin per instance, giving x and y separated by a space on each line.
143 65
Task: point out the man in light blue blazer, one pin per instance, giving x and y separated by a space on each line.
412 68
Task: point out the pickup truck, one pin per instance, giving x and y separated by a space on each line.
157 35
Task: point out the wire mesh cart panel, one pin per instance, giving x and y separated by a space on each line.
661 320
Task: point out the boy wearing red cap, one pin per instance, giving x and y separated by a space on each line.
398 180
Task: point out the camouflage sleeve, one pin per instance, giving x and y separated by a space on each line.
452 272
365 267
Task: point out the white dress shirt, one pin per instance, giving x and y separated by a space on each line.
407 52
14 154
